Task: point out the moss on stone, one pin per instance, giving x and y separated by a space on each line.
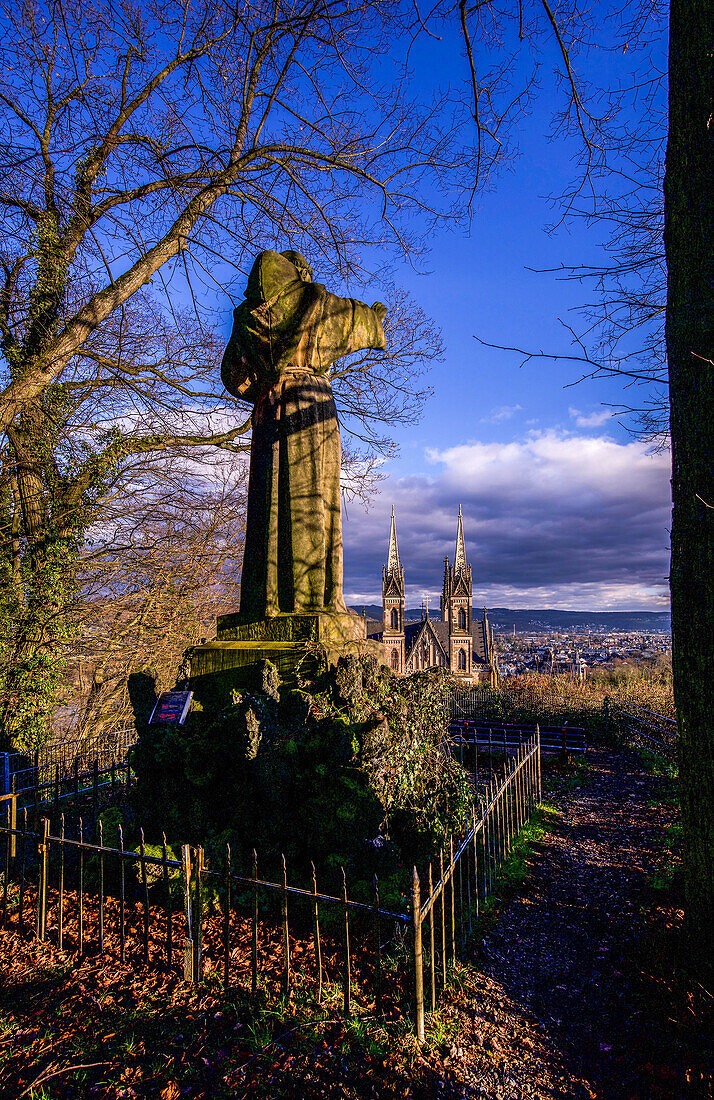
342 766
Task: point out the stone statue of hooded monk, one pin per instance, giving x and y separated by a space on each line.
286 335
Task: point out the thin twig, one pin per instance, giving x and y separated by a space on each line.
46 1076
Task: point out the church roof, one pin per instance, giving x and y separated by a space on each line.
414 629
374 628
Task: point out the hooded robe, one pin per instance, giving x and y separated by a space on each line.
286 335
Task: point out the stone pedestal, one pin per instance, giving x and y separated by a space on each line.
232 662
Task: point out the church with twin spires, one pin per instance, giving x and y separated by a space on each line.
455 642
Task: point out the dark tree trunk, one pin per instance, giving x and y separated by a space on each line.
689 243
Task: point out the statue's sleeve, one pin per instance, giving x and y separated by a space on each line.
347 325
238 373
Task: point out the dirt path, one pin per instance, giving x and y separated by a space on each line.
565 977
572 996
572 965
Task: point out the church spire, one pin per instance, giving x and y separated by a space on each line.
460 559
393 557
393 603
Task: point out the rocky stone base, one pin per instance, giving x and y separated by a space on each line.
293 643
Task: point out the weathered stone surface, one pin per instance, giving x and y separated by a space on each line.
257 717
315 627
218 669
348 680
222 667
286 335
269 680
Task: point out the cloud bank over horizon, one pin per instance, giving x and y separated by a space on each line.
554 519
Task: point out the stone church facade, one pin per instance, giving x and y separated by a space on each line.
456 642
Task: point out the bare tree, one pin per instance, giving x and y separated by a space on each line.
619 330
164 563
145 158
170 147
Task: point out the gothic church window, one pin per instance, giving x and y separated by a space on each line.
462 659
395 657
395 619
462 619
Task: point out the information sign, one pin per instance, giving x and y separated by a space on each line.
171 706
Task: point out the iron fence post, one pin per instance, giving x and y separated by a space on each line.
198 920
418 960
540 782
188 959
44 848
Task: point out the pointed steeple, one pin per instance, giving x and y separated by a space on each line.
393 571
460 558
393 603
393 557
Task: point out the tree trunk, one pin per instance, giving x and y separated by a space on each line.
36 649
689 244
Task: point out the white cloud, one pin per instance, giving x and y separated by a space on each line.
551 519
553 466
501 412
592 420
586 596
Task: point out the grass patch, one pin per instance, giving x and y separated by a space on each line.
657 765
670 864
515 871
441 1030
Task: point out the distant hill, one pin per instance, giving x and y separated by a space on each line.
550 620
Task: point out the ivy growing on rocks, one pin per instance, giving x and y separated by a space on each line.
345 768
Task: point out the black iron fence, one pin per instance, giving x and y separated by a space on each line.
90 785
143 905
645 728
23 772
468 873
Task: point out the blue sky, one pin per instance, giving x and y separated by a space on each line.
562 505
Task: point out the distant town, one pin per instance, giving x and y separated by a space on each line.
551 641
578 653
579 642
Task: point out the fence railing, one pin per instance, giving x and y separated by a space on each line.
467 876
24 771
646 728
86 896
143 905
88 785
